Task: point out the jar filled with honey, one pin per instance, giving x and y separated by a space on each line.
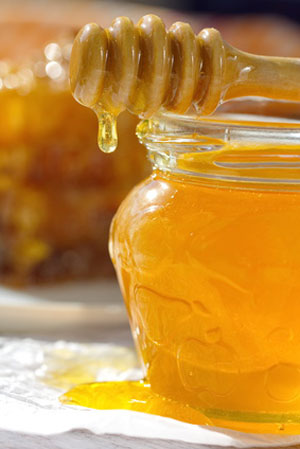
206 249
207 253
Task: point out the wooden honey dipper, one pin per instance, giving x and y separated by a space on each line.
145 68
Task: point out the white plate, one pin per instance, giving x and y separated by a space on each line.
65 305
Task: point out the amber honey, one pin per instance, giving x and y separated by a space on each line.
207 254
212 294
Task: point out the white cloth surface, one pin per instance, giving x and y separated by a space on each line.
29 403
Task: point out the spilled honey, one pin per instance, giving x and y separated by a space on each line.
131 395
138 396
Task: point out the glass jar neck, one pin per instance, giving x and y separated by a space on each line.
230 150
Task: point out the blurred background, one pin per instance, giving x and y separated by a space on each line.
58 192
288 8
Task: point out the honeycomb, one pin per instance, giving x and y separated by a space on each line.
58 193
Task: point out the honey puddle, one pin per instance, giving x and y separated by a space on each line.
84 372
131 395
97 376
138 396
79 369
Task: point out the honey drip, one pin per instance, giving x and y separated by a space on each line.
107 131
146 69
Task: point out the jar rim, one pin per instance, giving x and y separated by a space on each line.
236 120
173 129
231 148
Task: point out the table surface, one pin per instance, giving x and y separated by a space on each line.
81 439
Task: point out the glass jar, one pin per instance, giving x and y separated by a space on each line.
207 253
